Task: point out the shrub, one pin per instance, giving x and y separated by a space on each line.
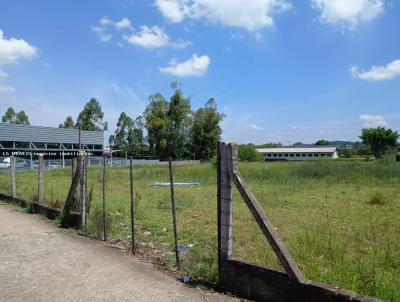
377 198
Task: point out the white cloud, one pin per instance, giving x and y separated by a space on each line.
105 21
173 10
180 43
348 13
372 121
251 15
149 37
255 127
154 37
103 35
123 23
12 51
3 74
101 29
195 66
377 73
7 89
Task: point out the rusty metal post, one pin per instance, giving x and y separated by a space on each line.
171 182
104 200
13 176
132 207
40 179
82 196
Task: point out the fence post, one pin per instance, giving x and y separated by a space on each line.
82 197
40 179
171 182
73 167
104 200
224 209
132 207
13 176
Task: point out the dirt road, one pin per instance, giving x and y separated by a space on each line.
40 262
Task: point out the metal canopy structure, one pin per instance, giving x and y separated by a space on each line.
29 141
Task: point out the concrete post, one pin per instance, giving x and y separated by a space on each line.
13 176
224 207
40 179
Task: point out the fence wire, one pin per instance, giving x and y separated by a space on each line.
334 227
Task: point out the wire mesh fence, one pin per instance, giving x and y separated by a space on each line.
338 219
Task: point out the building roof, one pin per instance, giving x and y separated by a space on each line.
28 133
298 150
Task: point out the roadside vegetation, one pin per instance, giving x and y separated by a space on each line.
339 219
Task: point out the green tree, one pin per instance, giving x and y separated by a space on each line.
179 123
13 117
91 117
120 139
206 131
379 139
298 144
9 116
155 116
322 142
136 139
22 118
68 123
345 152
248 152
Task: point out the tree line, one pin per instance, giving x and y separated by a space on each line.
172 128
165 128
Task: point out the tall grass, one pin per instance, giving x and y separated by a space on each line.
339 219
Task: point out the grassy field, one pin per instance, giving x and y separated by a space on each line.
340 220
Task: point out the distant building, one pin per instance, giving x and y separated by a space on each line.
301 153
58 143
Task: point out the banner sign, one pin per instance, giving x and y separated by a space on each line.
55 154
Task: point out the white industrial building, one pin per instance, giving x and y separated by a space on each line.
303 153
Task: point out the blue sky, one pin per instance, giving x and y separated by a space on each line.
281 70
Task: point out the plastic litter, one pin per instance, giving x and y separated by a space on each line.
186 279
183 249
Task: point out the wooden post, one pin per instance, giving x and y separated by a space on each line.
71 194
224 194
132 207
73 167
171 182
13 176
82 195
104 200
40 179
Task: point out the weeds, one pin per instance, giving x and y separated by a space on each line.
321 209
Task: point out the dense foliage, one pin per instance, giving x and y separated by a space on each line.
172 128
380 140
12 117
